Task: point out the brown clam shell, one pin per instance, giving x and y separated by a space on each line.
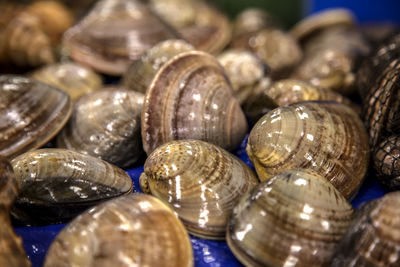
31 114
201 181
387 161
135 230
326 137
191 98
294 219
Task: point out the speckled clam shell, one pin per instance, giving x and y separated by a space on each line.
11 251
201 181
113 34
296 218
373 239
191 98
387 162
72 78
135 230
326 137
140 74
58 184
31 114
106 124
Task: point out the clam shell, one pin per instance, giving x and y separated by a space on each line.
31 114
106 124
113 34
135 230
387 162
191 98
252 20
373 238
326 137
201 181
296 218
74 79
58 184
140 74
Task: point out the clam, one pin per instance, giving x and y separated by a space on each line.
386 162
31 114
201 181
106 124
252 20
113 34
140 74
326 137
135 230
296 218
191 98
74 79
11 251
58 184
373 239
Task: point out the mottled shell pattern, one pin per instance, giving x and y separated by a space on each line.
326 137
135 230
294 219
58 184
201 181
373 239
191 98
31 114
106 124
387 161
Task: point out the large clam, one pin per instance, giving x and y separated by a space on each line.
373 239
135 230
58 184
327 137
191 98
294 219
106 124
31 113
201 181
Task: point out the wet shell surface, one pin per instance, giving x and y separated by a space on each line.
113 34
74 79
296 218
140 74
373 239
201 181
191 98
135 230
31 114
106 124
58 184
326 137
11 251
387 162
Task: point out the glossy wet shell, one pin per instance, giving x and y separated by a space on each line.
387 161
74 79
31 114
373 239
113 34
136 230
140 74
191 98
296 218
326 137
58 184
201 181
106 124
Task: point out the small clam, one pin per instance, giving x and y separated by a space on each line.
106 124
31 114
295 219
387 162
252 20
373 239
72 78
11 251
191 98
113 34
201 181
58 184
135 230
326 137
140 74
